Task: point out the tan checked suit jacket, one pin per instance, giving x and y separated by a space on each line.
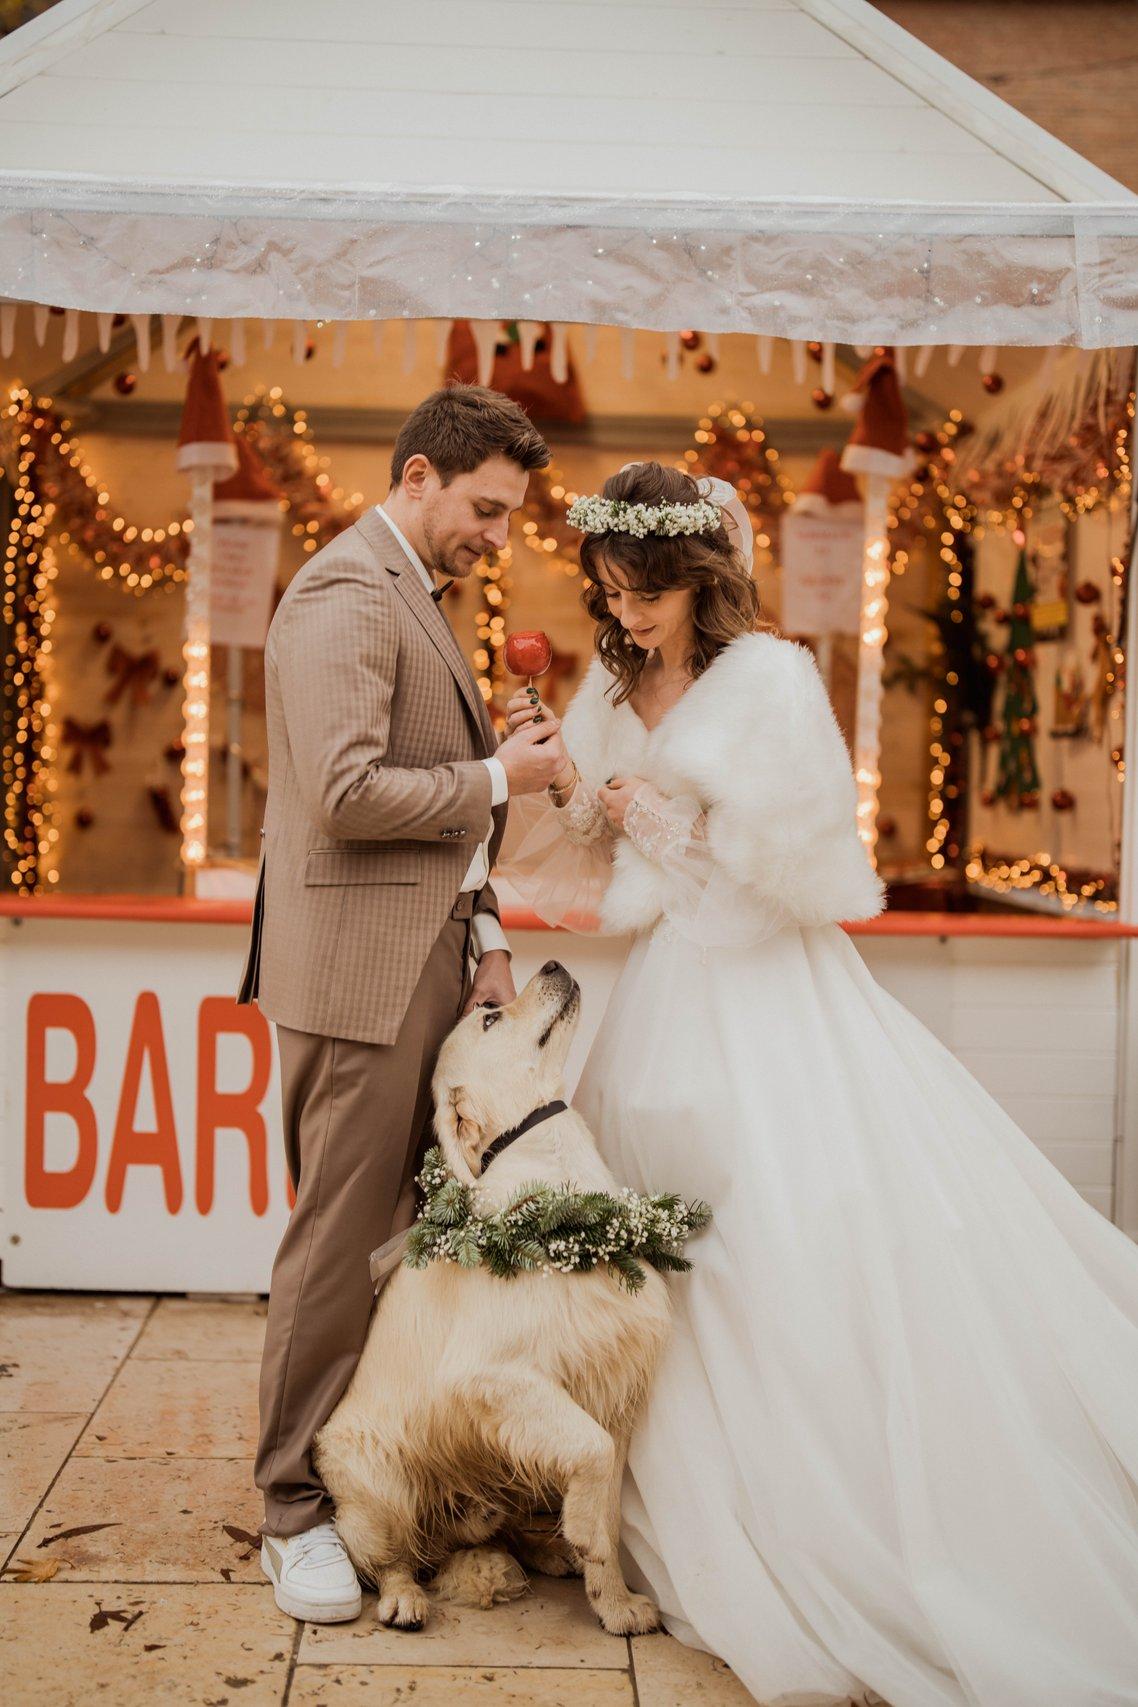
377 796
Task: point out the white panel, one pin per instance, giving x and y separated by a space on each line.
620 29
410 116
541 168
1057 1030
659 77
1007 1071
1084 1119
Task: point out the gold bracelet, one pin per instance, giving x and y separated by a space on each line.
559 795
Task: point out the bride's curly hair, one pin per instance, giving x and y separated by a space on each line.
726 602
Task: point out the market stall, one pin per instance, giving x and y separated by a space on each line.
882 231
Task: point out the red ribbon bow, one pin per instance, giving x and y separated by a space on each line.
133 670
90 741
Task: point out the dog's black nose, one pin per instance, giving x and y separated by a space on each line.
553 966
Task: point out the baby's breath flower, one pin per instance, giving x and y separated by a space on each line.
613 515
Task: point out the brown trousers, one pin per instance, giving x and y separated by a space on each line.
356 1119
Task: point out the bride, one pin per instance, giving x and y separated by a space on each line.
892 1449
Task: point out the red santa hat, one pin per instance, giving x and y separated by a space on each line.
249 494
828 490
879 443
205 442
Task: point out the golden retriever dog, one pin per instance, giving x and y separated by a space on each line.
479 1400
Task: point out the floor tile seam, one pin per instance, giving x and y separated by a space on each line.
141 1327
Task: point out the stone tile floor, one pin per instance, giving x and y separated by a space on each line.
127 1428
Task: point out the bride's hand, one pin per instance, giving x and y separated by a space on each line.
524 707
616 797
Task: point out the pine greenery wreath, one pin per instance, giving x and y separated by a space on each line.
550 1229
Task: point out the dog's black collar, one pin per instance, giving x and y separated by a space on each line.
505 1139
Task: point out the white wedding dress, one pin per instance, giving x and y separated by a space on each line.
892 1447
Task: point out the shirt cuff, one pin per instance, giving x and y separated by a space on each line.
499 782
486 933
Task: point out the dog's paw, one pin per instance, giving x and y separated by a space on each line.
480 1576
634 1616
403 1607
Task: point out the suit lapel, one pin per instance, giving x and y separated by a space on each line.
428 614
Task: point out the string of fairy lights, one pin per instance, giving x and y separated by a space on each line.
932 500
57 500
27 615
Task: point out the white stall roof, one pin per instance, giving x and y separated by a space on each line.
796 167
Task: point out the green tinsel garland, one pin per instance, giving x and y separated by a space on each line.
551 1229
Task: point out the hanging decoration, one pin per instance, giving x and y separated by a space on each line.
547 388
282 438
1017 783
731 444
89 742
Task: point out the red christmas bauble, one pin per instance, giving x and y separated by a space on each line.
994 662
993 382
1021 654
1003 618
1029 801
988 797
101 632
1021 612
992 732
1026 725
125 383
222 360
821 398
887 828
706 362
309 349
528 653
118 320
984 601
1087 593
84 818
926 441
814 350
690 338
1063 800
171 676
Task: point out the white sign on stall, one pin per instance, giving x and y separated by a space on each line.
243 574
821 573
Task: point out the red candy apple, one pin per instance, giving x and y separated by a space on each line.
528 653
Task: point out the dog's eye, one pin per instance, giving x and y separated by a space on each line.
490 1016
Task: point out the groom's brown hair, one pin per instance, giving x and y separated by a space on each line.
460 426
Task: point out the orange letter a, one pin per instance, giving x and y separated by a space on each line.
131 1148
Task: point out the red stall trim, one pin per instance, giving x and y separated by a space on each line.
173 909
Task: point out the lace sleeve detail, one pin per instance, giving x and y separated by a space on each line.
656 824
582 818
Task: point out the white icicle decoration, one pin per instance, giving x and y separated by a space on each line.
559 353
485 334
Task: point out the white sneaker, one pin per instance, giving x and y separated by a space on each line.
312 1576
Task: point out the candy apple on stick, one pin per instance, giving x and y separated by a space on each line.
529 653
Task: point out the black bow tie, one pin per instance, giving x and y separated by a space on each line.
439 591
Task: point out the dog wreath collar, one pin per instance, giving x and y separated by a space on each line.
534 1118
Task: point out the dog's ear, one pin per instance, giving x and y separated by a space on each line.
461 1129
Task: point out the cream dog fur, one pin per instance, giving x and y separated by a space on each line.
477 1399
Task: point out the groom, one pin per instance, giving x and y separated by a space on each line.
386 804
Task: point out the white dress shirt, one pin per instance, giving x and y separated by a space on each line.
486 933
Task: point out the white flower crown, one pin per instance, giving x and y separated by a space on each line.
614 515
